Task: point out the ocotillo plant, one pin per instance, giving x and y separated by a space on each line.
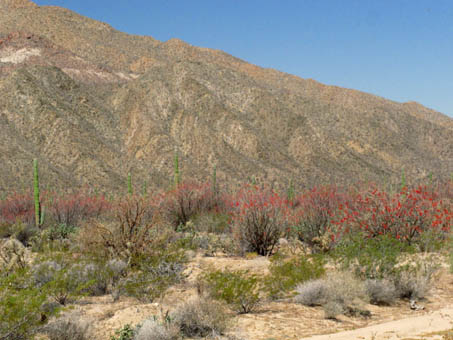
129 183
177 175
36 193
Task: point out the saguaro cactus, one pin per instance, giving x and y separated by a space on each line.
290 192
36 193
177 178
129 183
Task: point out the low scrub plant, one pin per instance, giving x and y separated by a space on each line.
373 258
339 293
153 275
200 317
312 293
153 329
414 280
69 327
239 289
286 274
22 305
381 291
127 332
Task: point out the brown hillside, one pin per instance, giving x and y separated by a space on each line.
92 103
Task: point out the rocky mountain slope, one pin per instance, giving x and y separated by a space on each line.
92 103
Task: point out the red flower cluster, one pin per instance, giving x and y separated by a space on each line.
404 215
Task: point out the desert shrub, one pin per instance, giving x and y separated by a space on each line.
95 277
374 258
381 291
62 277
404 215
127 332
69 327
201 317
413 280
130 236
238 288
286 274
312 293
18 207
348 292
152 329
260 220
73 208
61 231
311 220
187 201
12 255
338 293
22 306
332 309
153 275
216 222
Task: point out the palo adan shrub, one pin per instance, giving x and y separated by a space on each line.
312 216
260 219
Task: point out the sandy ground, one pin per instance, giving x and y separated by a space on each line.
284 320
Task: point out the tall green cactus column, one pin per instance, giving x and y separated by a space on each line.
36 193
129 183
177 175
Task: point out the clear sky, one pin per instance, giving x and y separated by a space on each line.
398 49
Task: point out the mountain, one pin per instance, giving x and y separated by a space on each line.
92 103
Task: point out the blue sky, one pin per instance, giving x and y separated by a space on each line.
398 49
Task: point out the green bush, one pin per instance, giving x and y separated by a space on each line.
127 332
22 306
153 275
285 275
64 279
373 258
238 288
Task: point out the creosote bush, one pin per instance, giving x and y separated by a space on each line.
286 274
22 305
239 289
